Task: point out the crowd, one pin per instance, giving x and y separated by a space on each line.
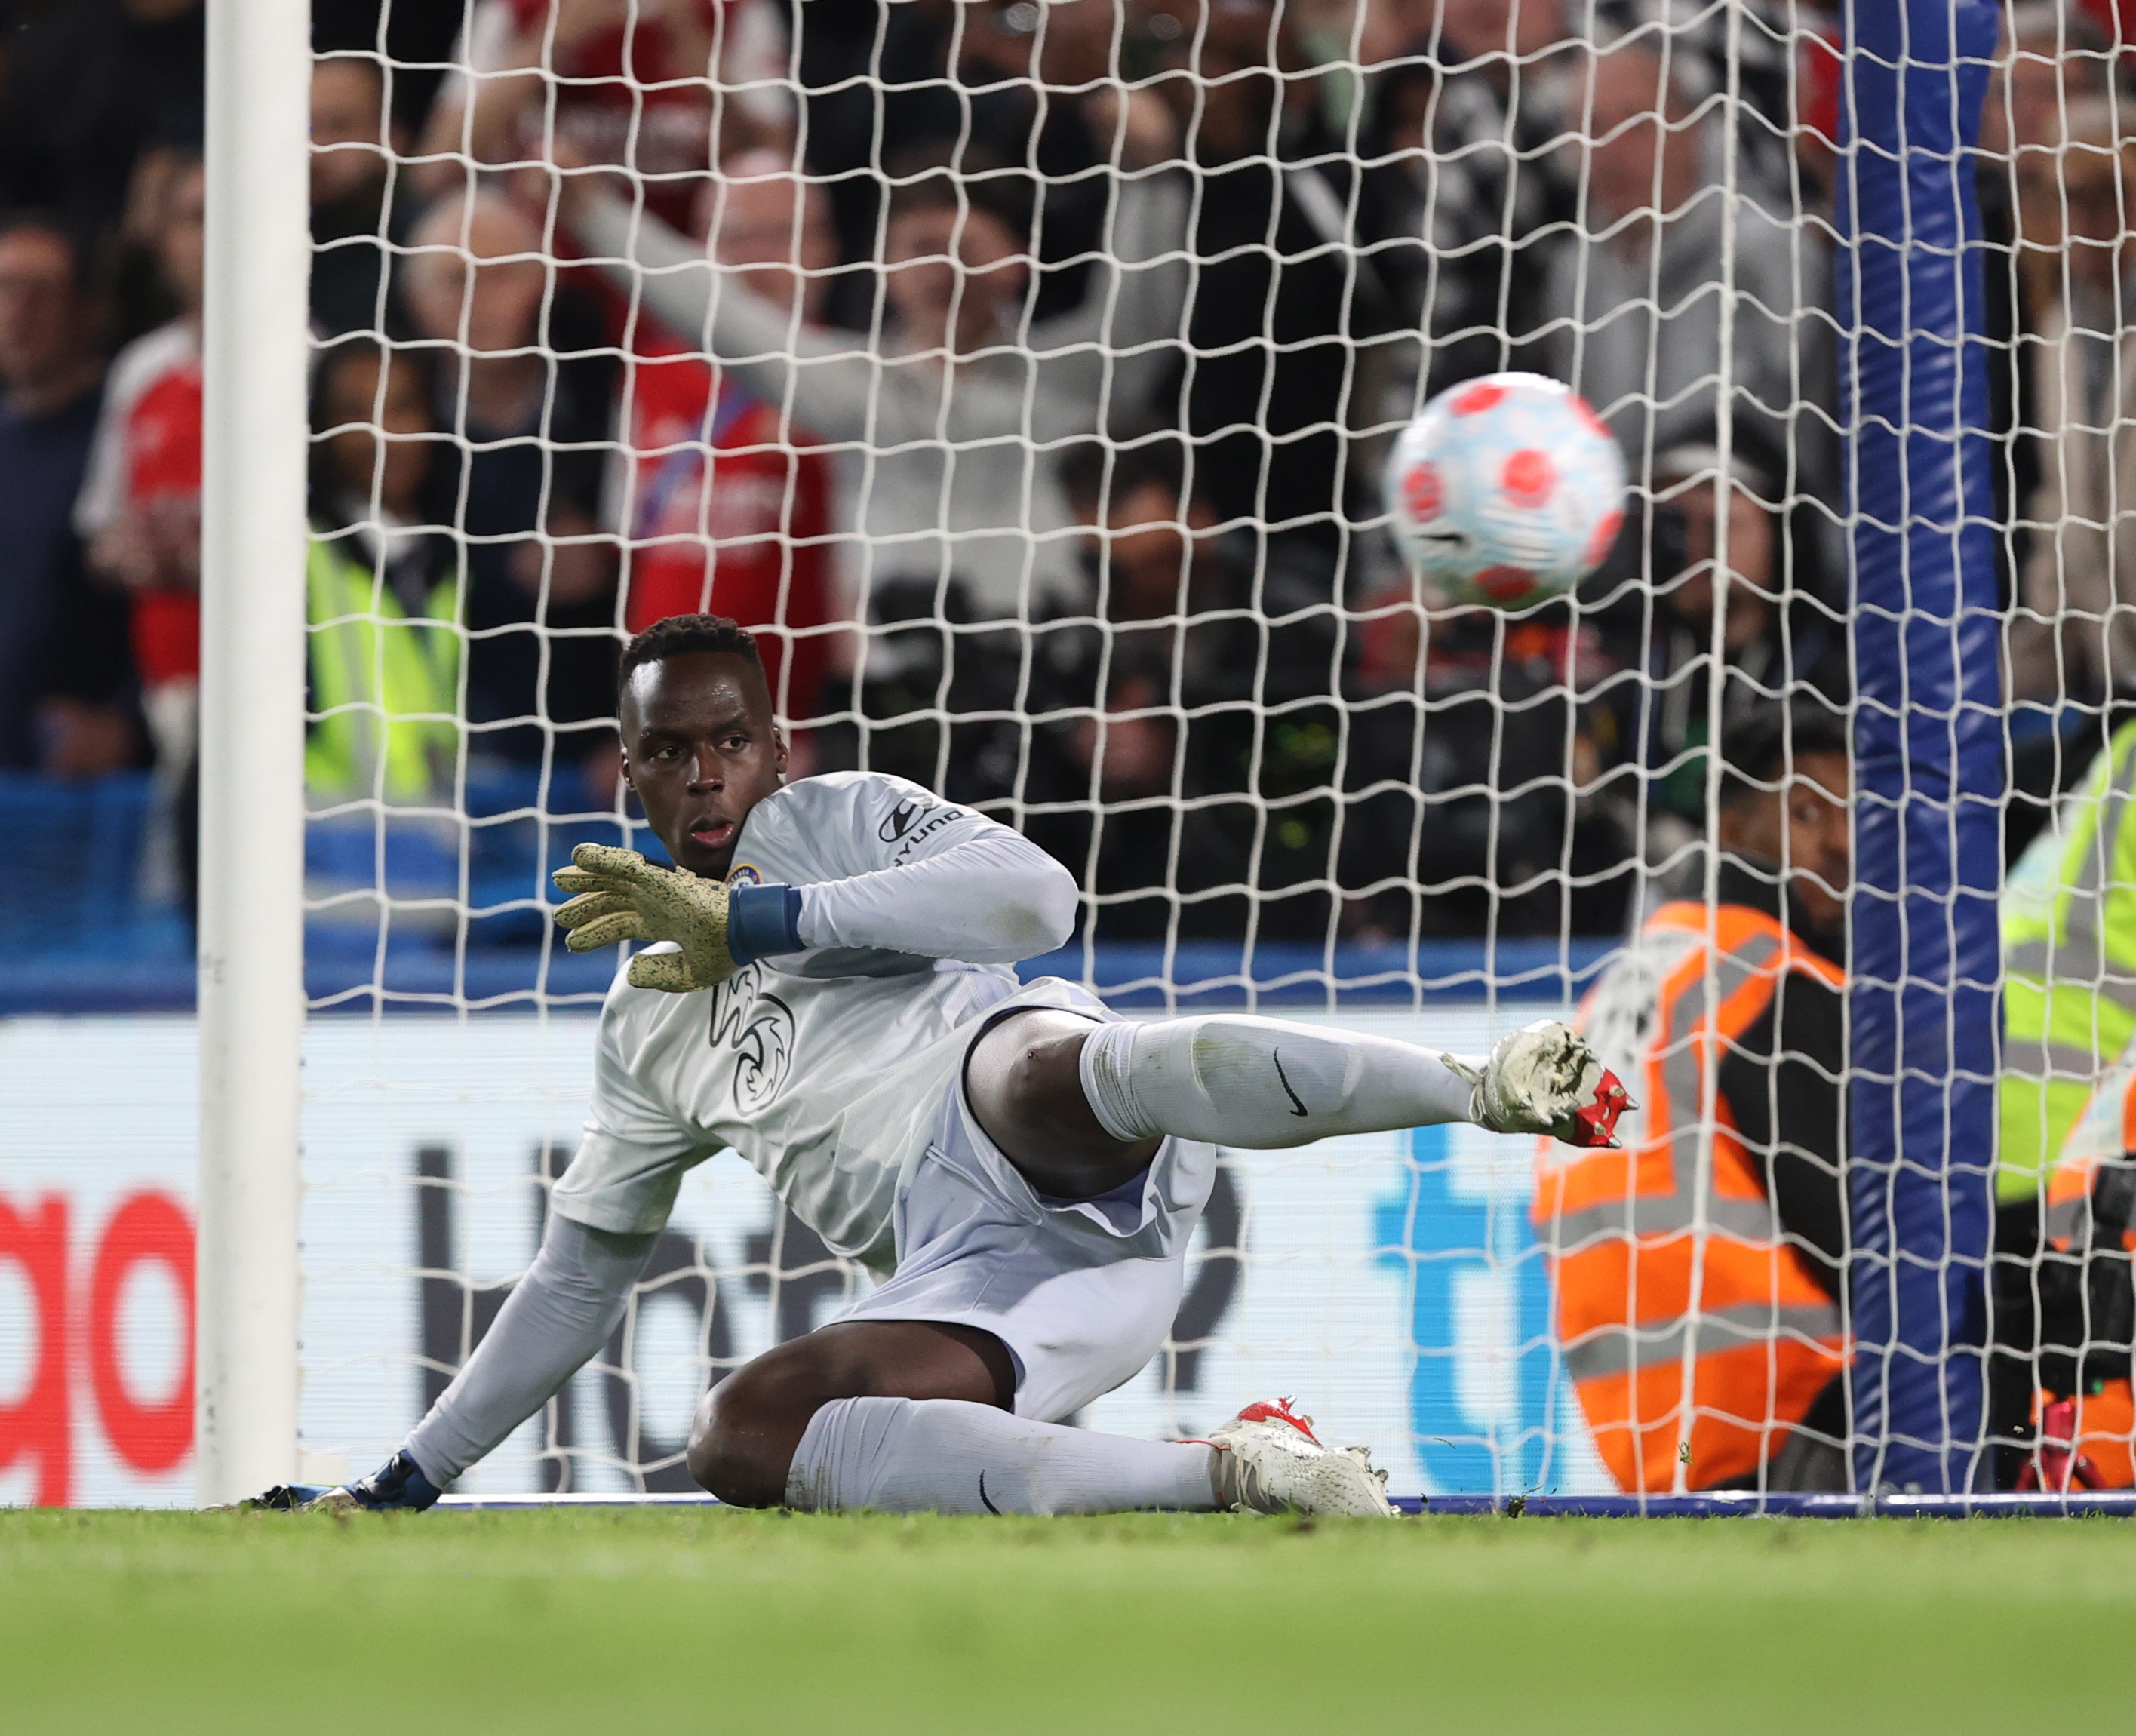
1032 409
1022 373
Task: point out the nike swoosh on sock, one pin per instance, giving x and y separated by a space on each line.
1298 1106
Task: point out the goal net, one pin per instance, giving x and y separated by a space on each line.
1032 414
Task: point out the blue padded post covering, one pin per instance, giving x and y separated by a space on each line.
1928 746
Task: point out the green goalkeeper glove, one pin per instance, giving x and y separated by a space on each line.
617 894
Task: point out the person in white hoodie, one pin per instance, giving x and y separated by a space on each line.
1638 298
958 410
2073 635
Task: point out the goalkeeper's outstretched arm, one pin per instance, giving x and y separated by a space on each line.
954 884
989 897
557 1316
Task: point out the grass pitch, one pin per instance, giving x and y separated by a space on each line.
614 1621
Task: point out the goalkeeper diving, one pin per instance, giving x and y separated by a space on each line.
823 984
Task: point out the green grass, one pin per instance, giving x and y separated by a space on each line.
612 1621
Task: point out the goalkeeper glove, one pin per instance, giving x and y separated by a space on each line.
617 895
1543 1079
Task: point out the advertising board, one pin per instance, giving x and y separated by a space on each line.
1391 1282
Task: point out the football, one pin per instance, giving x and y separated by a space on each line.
1506 491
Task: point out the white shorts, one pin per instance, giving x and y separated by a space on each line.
1083 1294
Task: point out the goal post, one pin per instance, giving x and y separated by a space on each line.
254 449
1927 738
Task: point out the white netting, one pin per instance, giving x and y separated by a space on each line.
2055 195
1035 424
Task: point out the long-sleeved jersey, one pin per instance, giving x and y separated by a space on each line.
822 1069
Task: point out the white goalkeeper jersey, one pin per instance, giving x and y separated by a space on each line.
824 1069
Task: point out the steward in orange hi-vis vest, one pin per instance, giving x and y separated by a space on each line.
1750 1302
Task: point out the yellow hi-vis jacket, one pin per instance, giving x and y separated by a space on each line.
385 684
2068 967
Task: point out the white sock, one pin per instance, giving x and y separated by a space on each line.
1260 1084
949 1456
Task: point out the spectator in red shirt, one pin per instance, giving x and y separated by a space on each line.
139 511
724 504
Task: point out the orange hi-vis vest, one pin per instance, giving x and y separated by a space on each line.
1652 1269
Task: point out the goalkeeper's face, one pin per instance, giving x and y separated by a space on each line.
700 748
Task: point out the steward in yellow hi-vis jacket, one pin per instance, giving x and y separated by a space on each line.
385 682
1700 1264
383 590
2065 1140
2068 967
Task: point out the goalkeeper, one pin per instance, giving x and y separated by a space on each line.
827 992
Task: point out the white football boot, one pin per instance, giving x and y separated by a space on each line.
1270 1460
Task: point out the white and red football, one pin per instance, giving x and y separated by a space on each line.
1506 491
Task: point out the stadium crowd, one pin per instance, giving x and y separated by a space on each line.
1037 422
1033 413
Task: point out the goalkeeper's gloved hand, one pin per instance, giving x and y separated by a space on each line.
617 894
1543 1079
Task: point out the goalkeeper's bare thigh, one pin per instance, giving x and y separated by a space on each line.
1024 1084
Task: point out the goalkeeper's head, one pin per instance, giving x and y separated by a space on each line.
701 745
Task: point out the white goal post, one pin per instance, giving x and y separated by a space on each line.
252 743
